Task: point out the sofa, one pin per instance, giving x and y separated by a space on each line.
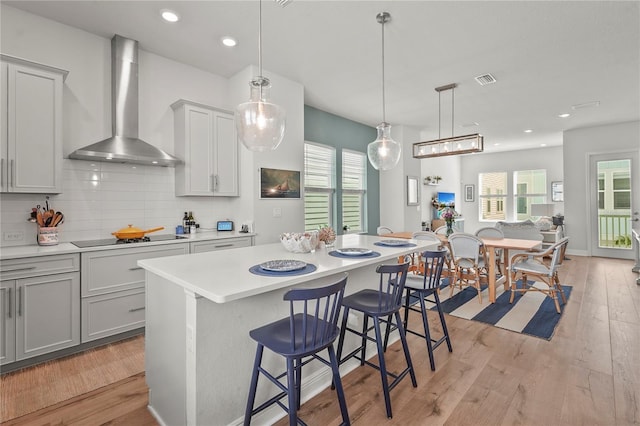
525 230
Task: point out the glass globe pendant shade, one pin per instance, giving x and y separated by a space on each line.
260 124
384 153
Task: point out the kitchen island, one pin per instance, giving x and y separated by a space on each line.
200 308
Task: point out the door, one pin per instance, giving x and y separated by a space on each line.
614 194
7 322
48 314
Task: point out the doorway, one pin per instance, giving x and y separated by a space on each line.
614 200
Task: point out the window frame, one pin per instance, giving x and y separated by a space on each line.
329 191
361 193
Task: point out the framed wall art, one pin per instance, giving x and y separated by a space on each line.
413 191
557 191
277 183
469 193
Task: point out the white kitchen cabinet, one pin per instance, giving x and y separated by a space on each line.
221 244
205 139
113 298
40 312
31 135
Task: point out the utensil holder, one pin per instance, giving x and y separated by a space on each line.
47 236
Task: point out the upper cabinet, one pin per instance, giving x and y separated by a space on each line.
31 111
205 139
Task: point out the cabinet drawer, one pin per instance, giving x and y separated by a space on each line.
114 270
202 246
37 266
113 313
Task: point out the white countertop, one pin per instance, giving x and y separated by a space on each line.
32 250
223 276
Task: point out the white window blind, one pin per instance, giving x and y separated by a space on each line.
319 185
354 185
530 188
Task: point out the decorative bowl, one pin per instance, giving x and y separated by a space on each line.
299 242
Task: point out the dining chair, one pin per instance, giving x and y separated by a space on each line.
418 266
442 230
383 230
533 265
310 328
381 305
418 289
469 262
493 232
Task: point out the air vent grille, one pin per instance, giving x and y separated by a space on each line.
485 79
283 3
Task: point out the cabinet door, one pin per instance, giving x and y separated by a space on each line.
225 155
7 322
4 181
194 143
47 314
34 130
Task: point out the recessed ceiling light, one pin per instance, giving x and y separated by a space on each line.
229 41
496 144
543 144
528 131
169 15
564 115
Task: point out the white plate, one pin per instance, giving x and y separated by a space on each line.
283 265
393 243
354 251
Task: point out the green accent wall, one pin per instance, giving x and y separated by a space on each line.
340 133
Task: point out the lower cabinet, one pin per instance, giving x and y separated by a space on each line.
113 298
222 244
39 314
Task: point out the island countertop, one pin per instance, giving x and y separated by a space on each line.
223 276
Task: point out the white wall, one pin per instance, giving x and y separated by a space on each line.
578 145
102 198
550 159
448 168
394 212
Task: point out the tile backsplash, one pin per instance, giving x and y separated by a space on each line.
100 198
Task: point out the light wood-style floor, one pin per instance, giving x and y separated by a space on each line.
588 374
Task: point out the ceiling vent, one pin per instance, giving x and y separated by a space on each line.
485 79
283 3
585 105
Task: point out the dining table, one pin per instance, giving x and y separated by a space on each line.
491 244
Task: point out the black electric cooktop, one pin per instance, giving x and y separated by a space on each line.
115 241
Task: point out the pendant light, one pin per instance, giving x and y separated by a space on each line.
384 153
259 123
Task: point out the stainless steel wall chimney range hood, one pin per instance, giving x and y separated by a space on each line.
124 146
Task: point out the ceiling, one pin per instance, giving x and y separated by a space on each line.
546 57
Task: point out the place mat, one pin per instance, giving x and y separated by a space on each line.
395 245
347 256
257 270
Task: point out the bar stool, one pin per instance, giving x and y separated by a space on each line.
417 289
310 328
381 305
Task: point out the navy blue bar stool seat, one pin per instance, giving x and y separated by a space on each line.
310 328
382 305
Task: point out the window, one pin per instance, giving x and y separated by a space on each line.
319 185
530 188
354 184
493 187
621 190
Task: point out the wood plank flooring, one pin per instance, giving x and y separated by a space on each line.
588 374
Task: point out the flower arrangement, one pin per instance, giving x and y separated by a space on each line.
448 216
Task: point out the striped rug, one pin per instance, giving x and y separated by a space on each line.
531 313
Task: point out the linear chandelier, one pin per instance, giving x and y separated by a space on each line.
454 145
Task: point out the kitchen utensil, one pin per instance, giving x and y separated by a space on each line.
133 232
57 219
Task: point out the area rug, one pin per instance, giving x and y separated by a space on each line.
531 313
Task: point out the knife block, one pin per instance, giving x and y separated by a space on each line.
47 236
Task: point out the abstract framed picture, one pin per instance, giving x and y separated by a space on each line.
277 183
469 193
